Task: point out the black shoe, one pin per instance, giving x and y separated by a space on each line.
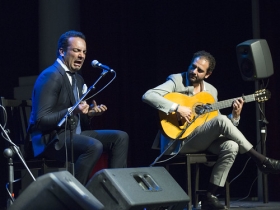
270 166
211 202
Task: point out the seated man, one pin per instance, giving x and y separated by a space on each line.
56 90
219 135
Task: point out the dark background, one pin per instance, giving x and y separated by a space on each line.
144 42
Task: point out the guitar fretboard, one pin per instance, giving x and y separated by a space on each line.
228 103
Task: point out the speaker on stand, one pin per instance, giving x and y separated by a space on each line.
149 188
255 63
254 59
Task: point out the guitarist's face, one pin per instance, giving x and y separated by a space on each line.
198 70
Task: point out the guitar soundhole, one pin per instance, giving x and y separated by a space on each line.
199 109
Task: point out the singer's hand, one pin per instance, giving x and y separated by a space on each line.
82 108
96 110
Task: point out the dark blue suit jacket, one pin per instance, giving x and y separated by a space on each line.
52 96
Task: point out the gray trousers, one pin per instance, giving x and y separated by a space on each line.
218 136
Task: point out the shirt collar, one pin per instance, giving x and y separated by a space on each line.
204 87
62 64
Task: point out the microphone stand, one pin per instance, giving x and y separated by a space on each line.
69 114
9 153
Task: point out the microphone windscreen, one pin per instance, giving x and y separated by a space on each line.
94 62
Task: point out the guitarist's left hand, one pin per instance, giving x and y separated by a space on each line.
237 107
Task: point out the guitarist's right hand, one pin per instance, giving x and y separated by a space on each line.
185 113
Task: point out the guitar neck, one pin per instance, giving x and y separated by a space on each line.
228 103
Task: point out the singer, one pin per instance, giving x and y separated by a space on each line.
56 90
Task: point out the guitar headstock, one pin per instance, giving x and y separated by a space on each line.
262 95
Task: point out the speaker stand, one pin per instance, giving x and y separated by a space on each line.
263 133
263 151
262 129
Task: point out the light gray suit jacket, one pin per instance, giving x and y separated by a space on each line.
174 83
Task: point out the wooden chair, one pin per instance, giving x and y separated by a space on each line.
18 112
195 160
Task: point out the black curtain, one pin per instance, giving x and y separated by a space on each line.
144 42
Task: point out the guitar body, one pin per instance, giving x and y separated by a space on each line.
172 126
204 108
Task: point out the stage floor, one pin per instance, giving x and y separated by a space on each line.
253 205
242 205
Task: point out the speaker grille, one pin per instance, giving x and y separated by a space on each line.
254 59
137 188
247 68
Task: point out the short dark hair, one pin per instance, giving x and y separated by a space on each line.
63 40
208 57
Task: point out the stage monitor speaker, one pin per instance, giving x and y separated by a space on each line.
56 191
254 59
137 189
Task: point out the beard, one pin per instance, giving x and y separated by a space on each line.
194 79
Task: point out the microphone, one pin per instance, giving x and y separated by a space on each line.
96 64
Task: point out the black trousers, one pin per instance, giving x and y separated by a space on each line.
88 147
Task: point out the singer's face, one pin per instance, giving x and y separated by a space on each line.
198 70
75 54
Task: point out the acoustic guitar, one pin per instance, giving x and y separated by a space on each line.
204 108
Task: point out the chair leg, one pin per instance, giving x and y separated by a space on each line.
227 197
189 182
196 185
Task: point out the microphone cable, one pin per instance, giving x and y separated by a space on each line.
115 74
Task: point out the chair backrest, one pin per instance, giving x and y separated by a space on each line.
18 112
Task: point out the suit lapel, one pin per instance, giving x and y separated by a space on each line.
80 85
189 88
69 88
66 83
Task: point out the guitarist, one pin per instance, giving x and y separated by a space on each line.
219 135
